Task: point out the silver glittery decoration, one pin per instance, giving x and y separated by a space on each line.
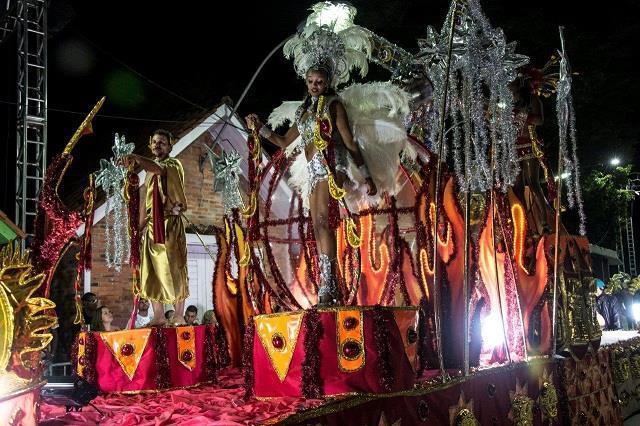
111 178
331 41
226 171
567 137
479 102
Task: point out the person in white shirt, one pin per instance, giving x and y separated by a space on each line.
145 314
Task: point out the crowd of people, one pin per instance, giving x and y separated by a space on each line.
98 317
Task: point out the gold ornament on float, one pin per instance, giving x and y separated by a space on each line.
352 236
549 401
521 413
461 414
24 320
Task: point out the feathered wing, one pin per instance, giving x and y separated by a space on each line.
298 174
376 114
283 114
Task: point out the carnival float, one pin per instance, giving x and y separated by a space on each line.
458 295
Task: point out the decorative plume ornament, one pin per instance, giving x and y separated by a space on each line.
111 178
332 42
479 102
226 171
567 136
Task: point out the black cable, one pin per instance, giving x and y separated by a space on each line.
119 117
147 79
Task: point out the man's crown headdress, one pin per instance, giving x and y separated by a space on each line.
330 42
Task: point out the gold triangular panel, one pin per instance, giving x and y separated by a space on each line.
127 347
279 335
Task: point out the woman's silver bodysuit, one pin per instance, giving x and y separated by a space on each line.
317 167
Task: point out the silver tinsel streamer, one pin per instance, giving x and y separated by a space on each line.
479 102
567 137
226 171
111 178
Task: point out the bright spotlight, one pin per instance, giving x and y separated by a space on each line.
335 16
635 309
615 161
492 331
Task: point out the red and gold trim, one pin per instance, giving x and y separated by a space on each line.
186 346
278 335
127 347
82 358
350 337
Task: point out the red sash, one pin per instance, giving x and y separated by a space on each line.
157 213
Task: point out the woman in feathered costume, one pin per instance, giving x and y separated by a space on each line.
330 150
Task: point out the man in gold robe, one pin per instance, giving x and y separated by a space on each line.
163 255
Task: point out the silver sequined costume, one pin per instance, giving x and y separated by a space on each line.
316 166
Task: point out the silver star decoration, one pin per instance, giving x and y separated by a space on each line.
111 174
226 171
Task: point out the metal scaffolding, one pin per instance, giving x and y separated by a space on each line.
31 124
631 247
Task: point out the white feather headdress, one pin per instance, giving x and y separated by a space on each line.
332 42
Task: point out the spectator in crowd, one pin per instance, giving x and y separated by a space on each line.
144 314
191 315
170 316
609 308
209 317
103 320
90 303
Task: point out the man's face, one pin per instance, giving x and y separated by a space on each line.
160 146
189 317
143 304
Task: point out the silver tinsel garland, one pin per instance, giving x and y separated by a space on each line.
479 102
226 171
111 178
567 137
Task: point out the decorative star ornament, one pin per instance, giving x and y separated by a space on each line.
226 171
111 174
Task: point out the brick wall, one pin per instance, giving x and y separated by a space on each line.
204 209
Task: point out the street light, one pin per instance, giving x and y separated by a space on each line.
615 161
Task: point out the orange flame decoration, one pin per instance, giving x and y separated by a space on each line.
530 286
375 263
301 289
519 233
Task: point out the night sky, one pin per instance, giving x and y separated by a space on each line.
160 63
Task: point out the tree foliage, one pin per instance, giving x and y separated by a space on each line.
606 199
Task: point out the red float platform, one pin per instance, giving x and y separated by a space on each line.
336 351
150 359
